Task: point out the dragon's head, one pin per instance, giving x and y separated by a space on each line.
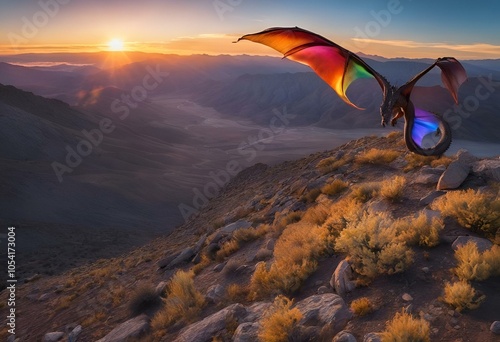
392 106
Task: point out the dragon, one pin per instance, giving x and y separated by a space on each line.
339 67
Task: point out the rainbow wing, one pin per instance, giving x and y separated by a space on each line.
337 66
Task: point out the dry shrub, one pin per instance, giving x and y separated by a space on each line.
280 321
334 188
404 327
473 265
393 189
417 161
394 135
282 221
342 213
236 293
251 233
461 295
311 195
228 248
204 262
376 156
472 209
365 191
331 164
143 299
362 306
421 230
316 214
373 247
295 256
182 304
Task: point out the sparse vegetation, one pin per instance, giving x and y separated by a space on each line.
362 306
334 188
280 321
373 247
461 295
204 262
365 191
376 156
332 164
316 215
182 304
472 209
295 256
393 189
311 195
404 327
251 233
420 230
228 248
416 161
236 293
473 265
143 298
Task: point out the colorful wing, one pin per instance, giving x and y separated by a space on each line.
337 66
452 74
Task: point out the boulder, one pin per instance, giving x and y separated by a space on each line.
344 336
454 176
326 309
73 335
204 330
256 311
160 288
488 168
246 332
230 228
133 328
215 294
53 336
167 260
427 178
341 279
495 327
372 337
482 244
185 256
431 197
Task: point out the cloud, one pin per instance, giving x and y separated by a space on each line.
480 50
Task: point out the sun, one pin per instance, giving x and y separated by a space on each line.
116 45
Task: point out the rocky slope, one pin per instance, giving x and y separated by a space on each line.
119 299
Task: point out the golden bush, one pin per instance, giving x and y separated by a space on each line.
420 230
334 188
472 209
332 164
404 327
376 156
362 306
393 189
461 295
280 321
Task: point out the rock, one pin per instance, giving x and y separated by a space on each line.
270 244
427 170
73 335
32 278
167 260
204 330
53 336
407 298
200 243
160 288
324 309
431 214
495 327
230 228
465 157
378 206
371 337
215 293
489 168
185 256
246 332
482 244
133 328
219 267
45 296
341 279
430 178
256 311
454 175
323 289
344 336
431 197
425 269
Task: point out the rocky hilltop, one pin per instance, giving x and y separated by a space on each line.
365 242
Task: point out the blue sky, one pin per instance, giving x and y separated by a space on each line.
404 28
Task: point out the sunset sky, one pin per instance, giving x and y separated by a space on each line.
389 28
